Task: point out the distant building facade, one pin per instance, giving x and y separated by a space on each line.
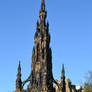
41 76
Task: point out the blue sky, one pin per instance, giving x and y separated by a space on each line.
71 38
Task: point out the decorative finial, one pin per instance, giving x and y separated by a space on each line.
19 70
18 80
63 84
43 5
42 14
63 71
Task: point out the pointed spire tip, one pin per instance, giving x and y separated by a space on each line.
43 5
63 70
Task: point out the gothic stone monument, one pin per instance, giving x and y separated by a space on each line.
41 76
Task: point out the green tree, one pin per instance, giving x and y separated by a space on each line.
88 83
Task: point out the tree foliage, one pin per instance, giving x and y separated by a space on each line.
88 83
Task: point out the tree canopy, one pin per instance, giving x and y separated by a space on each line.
88 83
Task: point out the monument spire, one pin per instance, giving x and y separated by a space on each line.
63 87
19 69
42 15
41 78
18 80
43 5
63 71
